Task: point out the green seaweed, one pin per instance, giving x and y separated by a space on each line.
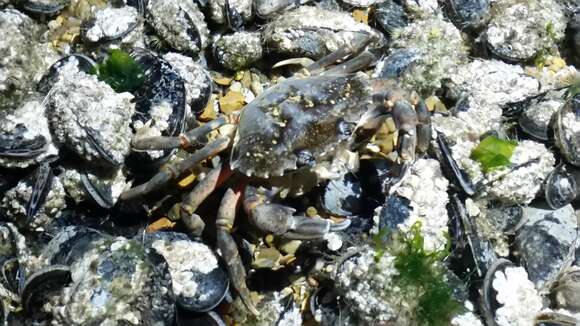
380 241
493 153
120 71
421 275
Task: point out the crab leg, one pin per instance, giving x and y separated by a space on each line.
192 138
423 127
225 222
279 219
339 54
185 210
406 121
173 170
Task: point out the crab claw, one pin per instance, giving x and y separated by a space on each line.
279 220
424 132
406 121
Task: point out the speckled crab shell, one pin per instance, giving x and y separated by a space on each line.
297 118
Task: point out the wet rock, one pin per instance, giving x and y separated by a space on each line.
239 50
89 118
546 242
25 138
395 211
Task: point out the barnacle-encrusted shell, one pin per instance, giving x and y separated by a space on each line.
179 23
90 118
295 115
312 32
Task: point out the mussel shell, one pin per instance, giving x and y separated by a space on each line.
560 188
162 84
395 210
39 8
87 24
140 5
100 193
568 141
43 178
41 285
14 145
212 287
185 318
397 63
326 303
467 13
450 167
69 245
555 319
489 300
50 77
342 197
12 274
390 15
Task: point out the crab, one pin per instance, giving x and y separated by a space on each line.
303 123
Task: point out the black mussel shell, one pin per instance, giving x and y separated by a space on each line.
326 303
467 13
47 81
213 285
89 23
397 63
390 15
69 245
185 318
489 301
101 194
567 141
162 85
394 211
342 197
42 8
560 188
13 145
479 253
40 286
42 184
450 167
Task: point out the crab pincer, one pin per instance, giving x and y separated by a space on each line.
281 221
